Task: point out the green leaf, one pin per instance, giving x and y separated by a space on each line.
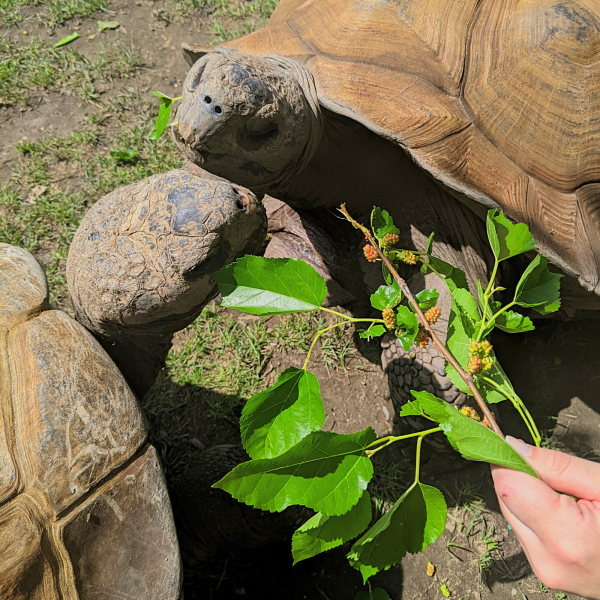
408 326
270 286
471 439
382 223
429 246
322 532
513 322
507 239
122 155
457 380
416 520
461 325
387 296
387 276
427 299
325 471
376 594
275 420
538 287
453 277
373 331
490 394
164 114
102 25
66 40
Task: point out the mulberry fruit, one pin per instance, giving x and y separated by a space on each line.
390 239
410 258
470 412
422 339
433 314
370 253
389 318
474 365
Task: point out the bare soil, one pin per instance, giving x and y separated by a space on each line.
556 369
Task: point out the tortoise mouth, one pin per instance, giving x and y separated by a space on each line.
196 152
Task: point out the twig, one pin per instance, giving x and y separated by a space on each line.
425 324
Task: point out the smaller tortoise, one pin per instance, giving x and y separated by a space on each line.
140 265
140 268
84 509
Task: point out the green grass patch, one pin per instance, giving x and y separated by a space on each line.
74 171
35 66
52 13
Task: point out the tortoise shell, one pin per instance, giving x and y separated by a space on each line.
84 510
498 99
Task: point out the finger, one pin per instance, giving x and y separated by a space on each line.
529 500
562 472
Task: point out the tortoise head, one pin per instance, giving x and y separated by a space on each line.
141 262
253 120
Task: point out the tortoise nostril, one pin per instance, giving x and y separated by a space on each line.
207 99
218 110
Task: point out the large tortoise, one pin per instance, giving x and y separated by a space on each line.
435 111
84 508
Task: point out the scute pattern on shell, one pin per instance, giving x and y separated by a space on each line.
418 369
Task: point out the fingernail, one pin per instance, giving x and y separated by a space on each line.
520 446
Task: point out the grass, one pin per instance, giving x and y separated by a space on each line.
230 19
472 532
33 67
75 170
53 12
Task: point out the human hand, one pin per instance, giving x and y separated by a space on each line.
560 536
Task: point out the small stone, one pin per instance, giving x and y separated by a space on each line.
408 379
400 381
196 442
426 357
385 342
414 372
386 413
389 353
386 394
440 382
513 592
430 389
441 371
397 369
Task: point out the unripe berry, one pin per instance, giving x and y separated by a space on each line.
474 365
486 423
433 314
470 412
486 363
389 318
422 339
389 239
409 258
370 253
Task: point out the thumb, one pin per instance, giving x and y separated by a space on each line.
562 472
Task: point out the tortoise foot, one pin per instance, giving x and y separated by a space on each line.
420 370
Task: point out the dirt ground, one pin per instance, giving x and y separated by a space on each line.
556 369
